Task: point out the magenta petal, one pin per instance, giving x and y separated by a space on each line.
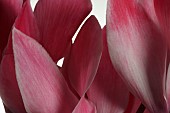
8 85
58 20
138 52
108 91
85 56
9 10
162 10
42 86
26 23
85 106
9 90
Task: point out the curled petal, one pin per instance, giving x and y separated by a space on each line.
58 20
41 84
138 52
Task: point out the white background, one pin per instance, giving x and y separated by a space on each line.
99 10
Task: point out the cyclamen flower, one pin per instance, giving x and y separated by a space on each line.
33 42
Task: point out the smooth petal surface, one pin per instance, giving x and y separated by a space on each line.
85 55
9 10
58 20
8 85
42 86
85 106
108 91
149 8
9 90
26 23
138 52
162 10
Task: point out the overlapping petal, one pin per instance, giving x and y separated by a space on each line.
26 23
42 86
9 90
58 20
85 106
85 55
9 10
138 52
108 91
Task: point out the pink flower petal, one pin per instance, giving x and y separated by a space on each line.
26 23
85 55
149 8
42 86
58 20
108 91
9 90
8 85
85 106
9 10
138 52
162 10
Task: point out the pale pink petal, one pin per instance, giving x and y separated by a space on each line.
85 55
85 106
138 52
58 20
108 91
9 10
42 86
